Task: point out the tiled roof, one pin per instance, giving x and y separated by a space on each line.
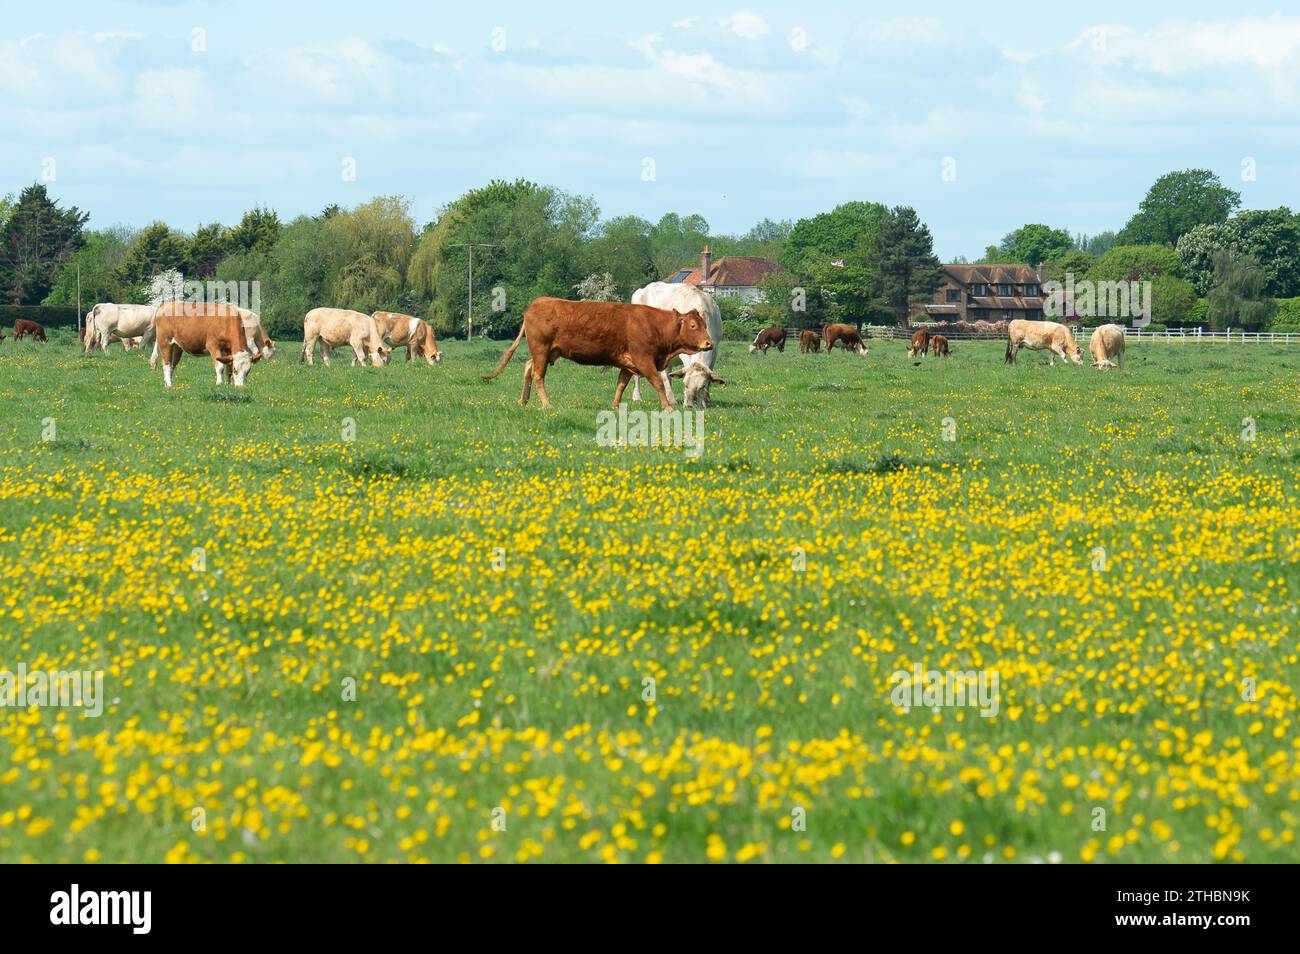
731 271
992 274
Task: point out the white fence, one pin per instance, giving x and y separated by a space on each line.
1172 335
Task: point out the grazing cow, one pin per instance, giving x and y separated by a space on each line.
195 327
809 342
636 339
939 346
696 378
1039 335
920 343
125 321
674 296
844 335
339 326
259 344
767 338
1107 347
410 332
25 326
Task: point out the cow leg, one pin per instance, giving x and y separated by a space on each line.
324 352
539 378
221 372
170 359
528 382
657 383
624 376
668 388
636 387
308 348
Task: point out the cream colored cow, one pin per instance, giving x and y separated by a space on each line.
1042 335
107 319
334 327
413 333
1107 347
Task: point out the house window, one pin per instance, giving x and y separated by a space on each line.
1006 291
954 294
1031 291
979 290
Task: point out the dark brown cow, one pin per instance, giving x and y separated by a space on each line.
939 346
920 343
636 339
845 335
185 327
773 337
809 342
25 326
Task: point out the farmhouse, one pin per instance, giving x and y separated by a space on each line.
732 276
984 292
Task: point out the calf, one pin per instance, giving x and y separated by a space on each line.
809 342
340 326
25 326
769 338
845 335
636 339
939 346
920 343
1107 347
413 333
184 327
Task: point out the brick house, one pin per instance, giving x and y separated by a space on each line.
732 276
984 292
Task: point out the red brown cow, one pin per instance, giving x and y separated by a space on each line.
845 335
939 346
809 342
636 339
920 343
769 338
185 327
25 326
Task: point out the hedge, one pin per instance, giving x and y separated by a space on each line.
48 316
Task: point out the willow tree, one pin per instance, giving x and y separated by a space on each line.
369 248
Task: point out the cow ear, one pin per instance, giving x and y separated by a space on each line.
715 379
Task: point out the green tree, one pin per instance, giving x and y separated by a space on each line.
846 234
257 231
1096 245
678 241
1074 262
1238 299
622 247
1032 244
370 248
1270 236
1173 299
156 249
1176 204
35 241
97 262
906 267
295 278
207 247
537 234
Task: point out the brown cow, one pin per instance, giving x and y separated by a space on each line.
939 346
185 327
920 343
1039 335
25 326
415 333
845 335
769 338
809 342
636 339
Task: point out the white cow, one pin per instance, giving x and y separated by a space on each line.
1107 343
675 296
124 321
1051 336
696 378
340 326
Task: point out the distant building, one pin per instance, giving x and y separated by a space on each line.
732 276
987 292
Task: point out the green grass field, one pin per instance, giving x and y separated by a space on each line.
471 633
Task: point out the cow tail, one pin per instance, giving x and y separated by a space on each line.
505 358
1009 355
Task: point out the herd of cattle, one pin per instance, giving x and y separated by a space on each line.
640 339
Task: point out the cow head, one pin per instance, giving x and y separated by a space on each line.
1075 353
379 355
692 332
239 366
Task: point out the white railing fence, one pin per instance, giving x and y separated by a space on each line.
1171 335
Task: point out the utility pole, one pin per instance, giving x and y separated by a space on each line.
469 317
79 332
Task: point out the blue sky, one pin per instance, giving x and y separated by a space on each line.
193 112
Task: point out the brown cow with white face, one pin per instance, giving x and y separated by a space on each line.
920 343
845 335
636 339
185 327
773 337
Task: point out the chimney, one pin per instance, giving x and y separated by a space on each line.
706 262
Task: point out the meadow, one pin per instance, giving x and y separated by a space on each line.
358 614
